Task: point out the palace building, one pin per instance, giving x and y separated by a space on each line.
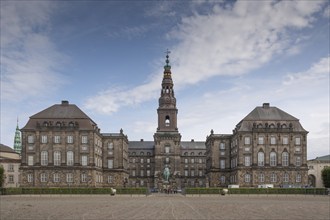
63 147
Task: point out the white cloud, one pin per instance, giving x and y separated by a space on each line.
29 59
226 41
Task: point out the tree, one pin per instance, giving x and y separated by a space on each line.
2 176
326 177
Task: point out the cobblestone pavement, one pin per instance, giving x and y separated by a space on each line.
160 206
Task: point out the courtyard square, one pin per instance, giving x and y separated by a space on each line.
162 206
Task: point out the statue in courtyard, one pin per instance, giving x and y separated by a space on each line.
166 173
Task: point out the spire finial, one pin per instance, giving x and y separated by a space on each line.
167 56
167 67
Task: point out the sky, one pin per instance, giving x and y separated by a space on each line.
107 57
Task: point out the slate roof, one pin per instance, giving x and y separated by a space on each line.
193 144
4 148
324 159
61 112
262 113
269 114
141 145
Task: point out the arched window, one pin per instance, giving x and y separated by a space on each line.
167 121
284 126
71 124
192 154
261 159
46 124
185 154
44 158
69 158
58 124
285 159
57 158
272 157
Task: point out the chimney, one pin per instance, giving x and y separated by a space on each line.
65 102
192 140
265 105
141 140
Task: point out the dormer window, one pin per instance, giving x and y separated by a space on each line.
167 121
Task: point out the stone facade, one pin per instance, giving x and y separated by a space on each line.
62 146
10 160
315 167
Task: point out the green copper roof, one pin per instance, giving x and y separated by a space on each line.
17 140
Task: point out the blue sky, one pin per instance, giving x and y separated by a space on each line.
107 57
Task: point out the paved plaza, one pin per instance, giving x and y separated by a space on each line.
161 206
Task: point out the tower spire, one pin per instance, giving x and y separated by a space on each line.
17 140
167 111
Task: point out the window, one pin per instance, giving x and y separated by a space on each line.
69 177
247 140
200 160
261 177
83 177
141 160
69 139
222 179
56 177
222 153
260 140
69 158
185 160
109 179
297 149
43 177
192 172
261 159
272 140
167 160
222 164
148 172
167 149
185 172
110 146
133 172
222 146
285 159
10 178
297 141
84 160
57 158
285 140
247 178
298 178
192 160
30 139
44 158
57 139
200 172
286 177
148 160
44 139
273 177
110 164
272 159
84 139
10 167
141 172
298 161
30 160
30 178
247 161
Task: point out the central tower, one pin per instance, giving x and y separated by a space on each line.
167 111
167 138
